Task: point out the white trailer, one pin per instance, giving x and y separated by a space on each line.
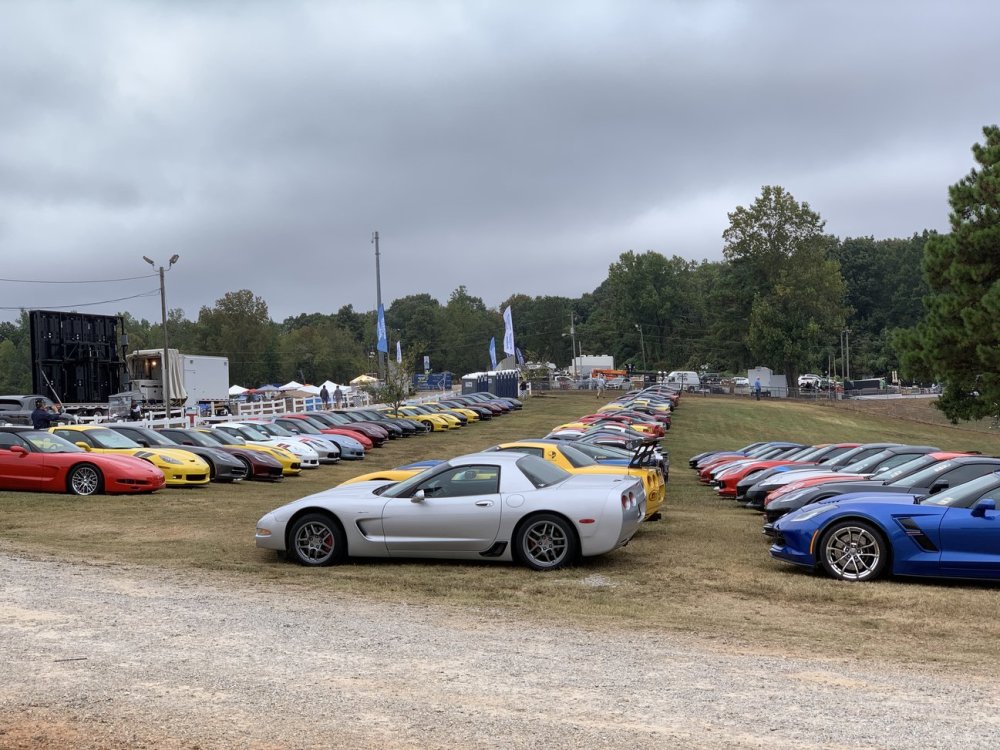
194 378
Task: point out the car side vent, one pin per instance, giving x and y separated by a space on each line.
917 534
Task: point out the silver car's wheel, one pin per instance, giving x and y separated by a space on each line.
317 539
85 479
546 542
853 551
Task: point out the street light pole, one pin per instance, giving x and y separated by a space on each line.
165 364
642 345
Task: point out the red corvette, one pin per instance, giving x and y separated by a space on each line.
39 461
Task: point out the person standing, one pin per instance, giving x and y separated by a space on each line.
338 397
600 386
756 389
43 417
324 395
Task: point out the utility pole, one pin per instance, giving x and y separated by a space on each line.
572 336
378 304
847 356
165 366
642 345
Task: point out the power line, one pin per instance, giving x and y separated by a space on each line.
78 281
85 304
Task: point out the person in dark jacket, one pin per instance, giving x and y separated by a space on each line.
43 417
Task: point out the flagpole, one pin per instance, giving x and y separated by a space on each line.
378 303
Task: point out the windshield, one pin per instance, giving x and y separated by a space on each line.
251 433
304 427
575 457
865 464
889 475
965 495
46 442
926 477
195 437
599 452
223 437
540 472
276 429
104 438
154 438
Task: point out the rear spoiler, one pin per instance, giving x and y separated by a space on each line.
643 452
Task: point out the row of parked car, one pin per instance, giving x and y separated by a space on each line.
860 511
128 457
580 491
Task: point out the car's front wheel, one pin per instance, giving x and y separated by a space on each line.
546 542
85 479
853 551
316 539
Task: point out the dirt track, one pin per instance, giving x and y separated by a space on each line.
115 656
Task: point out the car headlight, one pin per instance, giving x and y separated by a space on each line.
809 512
170 460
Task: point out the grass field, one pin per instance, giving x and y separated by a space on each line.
704 569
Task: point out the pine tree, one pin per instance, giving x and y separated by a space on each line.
959 341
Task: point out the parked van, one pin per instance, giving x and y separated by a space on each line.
688 380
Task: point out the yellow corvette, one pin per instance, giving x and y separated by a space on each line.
291 466
565 456
635 427
180 468
469 414
393 475
415 411
436 422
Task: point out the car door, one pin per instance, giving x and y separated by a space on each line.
971 543
18 471
459 511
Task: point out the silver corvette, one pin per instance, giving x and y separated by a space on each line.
492 506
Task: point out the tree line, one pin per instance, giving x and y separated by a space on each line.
782 296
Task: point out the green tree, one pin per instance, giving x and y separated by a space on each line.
418 318
15 356
885 290
785 295
467 325
958 342
238 327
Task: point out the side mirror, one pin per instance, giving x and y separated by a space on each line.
418 497
938 486
980 508
83 445
143 442
18 450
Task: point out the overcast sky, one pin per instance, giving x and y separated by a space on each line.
508 146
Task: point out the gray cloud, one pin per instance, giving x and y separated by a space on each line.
507 146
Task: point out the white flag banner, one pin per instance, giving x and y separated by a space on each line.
399 352
508 332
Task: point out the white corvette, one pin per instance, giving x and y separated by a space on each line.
307 456
481 506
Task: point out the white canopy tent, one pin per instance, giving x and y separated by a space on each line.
237 390
291 386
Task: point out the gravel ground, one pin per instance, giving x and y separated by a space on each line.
117 656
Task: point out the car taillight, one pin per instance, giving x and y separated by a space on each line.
628 500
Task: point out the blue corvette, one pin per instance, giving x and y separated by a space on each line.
859 537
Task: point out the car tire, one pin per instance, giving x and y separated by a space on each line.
246 465
546 542
853 550
316 539
85 480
